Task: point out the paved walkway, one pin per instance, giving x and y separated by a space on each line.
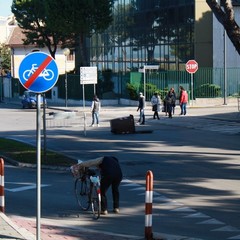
25 229
19 228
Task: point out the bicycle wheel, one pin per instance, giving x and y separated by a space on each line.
27 74
48 74
82 192
96 202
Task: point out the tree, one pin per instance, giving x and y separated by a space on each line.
5 59
141 28
32 18
225 15
53 22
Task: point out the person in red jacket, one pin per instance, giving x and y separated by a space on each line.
183 100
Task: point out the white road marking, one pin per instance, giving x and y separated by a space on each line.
197 215
183 209
212 221
167 201
235 237
226 229
27 186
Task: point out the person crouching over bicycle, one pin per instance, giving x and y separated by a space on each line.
111 175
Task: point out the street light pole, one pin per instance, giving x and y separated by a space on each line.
66 52
225 67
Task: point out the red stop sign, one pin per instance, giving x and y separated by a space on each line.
191 66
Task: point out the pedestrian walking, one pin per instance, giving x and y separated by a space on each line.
183 100
156 103
141 107
95 109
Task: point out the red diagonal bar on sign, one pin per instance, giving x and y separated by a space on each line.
34 76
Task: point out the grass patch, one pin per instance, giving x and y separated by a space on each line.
25 153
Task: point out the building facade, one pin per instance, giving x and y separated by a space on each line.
157 32
167 34
163 33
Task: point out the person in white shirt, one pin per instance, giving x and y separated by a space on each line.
95 108
156 103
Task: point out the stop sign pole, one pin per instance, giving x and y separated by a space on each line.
191 67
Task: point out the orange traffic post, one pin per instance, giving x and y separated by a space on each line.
148 206
2 198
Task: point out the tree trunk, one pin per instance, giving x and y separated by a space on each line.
81 58
225 15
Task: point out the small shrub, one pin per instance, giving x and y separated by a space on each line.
132 91
208 90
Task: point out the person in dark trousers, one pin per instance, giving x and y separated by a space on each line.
156 102
170 98
95 108
174 100
111 175
141 106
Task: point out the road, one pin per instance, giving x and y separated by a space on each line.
194 160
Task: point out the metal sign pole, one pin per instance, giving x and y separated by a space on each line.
147 67
38 72
84 114
38 166
144 82
88 75
192 88
44 129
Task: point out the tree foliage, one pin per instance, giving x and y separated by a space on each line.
5 56
144 15
224 13
53 22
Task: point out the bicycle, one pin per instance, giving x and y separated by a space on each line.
87 190
47 74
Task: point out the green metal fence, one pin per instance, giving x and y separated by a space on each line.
207 83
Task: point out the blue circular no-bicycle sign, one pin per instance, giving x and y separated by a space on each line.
38 72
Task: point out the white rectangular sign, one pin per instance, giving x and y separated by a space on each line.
88 75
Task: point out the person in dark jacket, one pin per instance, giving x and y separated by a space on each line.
174 100
111 175
170 100
141 107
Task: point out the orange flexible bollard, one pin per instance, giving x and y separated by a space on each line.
2 198
148 206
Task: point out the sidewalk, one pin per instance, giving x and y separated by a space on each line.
19 228
25 229
15 227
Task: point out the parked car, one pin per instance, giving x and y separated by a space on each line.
29 100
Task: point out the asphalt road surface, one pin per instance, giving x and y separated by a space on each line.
194 160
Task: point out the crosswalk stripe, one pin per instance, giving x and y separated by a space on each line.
197 215
211 221
235 237
226 229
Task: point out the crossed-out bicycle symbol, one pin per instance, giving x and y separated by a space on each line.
47 74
